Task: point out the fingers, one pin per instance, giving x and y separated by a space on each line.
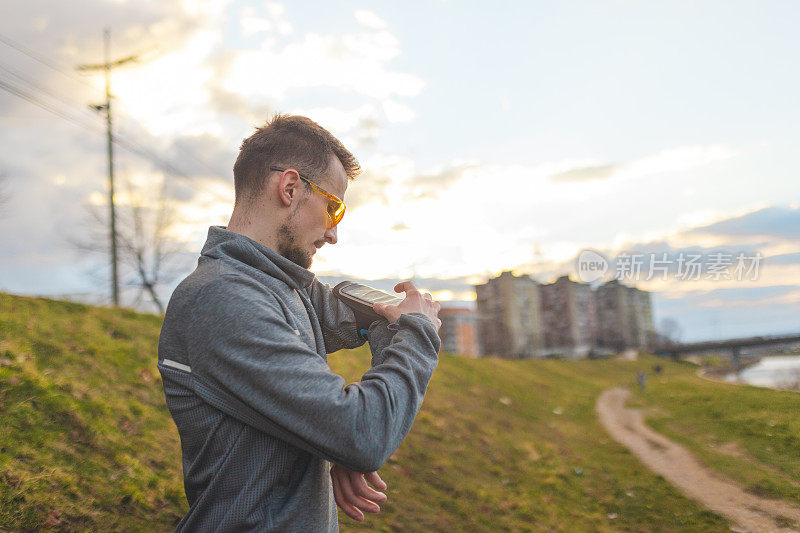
360 488
414 302
409 287
349 509
389 312
353 495
405 286
375 480
349 494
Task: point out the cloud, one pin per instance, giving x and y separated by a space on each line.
505 232
356 62
168 95
674 250
775 221
356 128
370 186
731 313
674 262
370 19
43 212
252 20
225 68
56 167
432 184
580 174
751 296
785 259
67 35
235 105
70 32
204 155
398 112
189 106
670 160
677 159
186 154
709 309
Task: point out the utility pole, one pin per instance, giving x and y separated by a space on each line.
106 66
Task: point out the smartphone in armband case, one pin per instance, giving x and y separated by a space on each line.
360 298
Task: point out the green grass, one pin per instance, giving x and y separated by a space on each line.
750 434
515 445
86 442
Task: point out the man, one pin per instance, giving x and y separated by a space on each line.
243 348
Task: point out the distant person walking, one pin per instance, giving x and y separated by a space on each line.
641 379
271 438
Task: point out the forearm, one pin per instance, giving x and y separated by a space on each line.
379 336
289 392
338 321
402 371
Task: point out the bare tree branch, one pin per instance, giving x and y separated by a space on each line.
148 256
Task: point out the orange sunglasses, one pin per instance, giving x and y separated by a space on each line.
336 206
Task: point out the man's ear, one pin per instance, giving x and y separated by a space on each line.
287 185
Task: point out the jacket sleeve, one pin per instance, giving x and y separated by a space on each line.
379 336
338 322
249 362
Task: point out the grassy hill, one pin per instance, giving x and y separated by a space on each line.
85 438
86 442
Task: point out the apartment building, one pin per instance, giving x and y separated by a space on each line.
510 321
518 317
624 317
570 320
459 331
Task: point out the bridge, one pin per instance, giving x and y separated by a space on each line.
734 346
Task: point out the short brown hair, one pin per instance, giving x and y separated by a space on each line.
287 141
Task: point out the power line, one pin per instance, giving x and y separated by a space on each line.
52 94
164 165
20 93
128 145
43 60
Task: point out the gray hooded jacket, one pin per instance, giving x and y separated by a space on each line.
243 359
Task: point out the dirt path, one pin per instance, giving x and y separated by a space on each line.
679 467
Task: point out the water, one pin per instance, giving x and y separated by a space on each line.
781 372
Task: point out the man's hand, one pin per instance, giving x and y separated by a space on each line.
352 493
414 302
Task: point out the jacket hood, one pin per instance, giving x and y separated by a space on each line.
224 244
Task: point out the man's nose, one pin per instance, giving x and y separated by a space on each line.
330 235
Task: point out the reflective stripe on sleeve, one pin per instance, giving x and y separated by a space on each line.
177 365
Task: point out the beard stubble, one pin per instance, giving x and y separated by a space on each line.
288 247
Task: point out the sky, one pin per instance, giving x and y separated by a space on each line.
493 137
